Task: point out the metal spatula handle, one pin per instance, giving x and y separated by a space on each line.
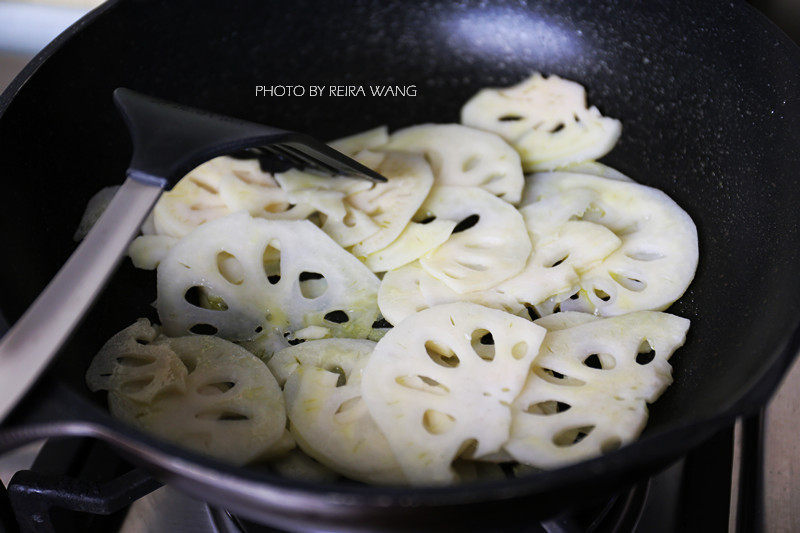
168 141
32 342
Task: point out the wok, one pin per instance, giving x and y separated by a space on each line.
708 96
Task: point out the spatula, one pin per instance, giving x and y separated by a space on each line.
169 140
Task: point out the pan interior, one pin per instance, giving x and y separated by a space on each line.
714 129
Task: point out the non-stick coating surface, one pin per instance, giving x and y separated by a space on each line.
707 94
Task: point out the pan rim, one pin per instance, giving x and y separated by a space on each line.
172 460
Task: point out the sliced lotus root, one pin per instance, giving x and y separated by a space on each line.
328 416
415 241
440 384
587 391
572 300
243 186
311 333
596 169
658 254
261 274
392 204
297 465
593 168
325 196
564 320
148 227
464 156
94 210
193 201
138 364
474 471
366 140
489 245
280 448
229 407
546 120
147 251
410 289
264 345
563 248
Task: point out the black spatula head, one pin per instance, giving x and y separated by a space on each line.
169 140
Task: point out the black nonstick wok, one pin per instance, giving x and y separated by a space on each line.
709 97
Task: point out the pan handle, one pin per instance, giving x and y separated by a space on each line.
50 409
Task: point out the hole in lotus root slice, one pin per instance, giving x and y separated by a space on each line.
646 353
509 118
602 295
222 416
381 323
470 163
203 329
422 383
210 189
593 361
483 344
644 255
341 380
467 449
312 284
571 436
441 355
556 262
466 223
199 296
436 422
337 317
346 406
230 268
600 361
318 218
193 295
629 282
272 261
135 360
189 361
556 378
547 408
213 389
